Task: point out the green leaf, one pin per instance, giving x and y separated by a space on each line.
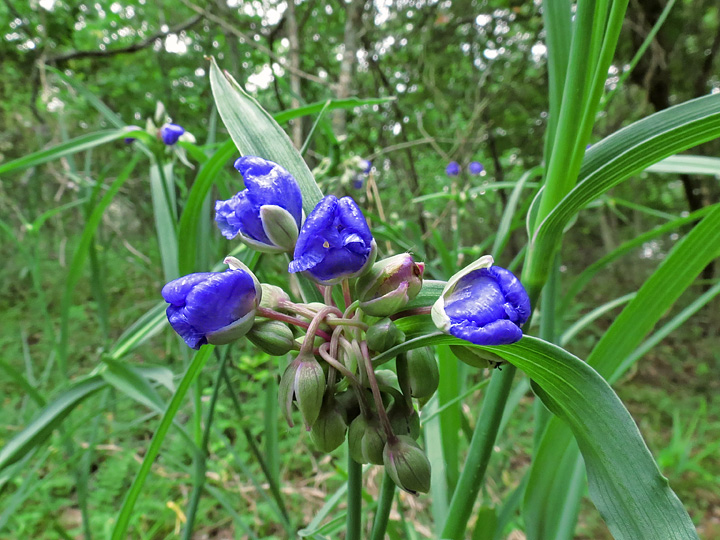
586 275
687 165
162 189
634 499
675 274
256 133
610 356
80 256
48 419
192 213
617 158
193 370
79 144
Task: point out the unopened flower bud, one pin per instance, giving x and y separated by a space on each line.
389 285
356 432
404 420
273 337
328 431
423 373
384 335
303 380
407 465
373 442
273 296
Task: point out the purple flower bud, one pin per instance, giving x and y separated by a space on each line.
453 169
212 307
390 285
170 133
475 167
267 214
334 243
483 304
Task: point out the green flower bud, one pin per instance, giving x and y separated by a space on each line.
273 337
407 465
384 335
389 285
280 226
404 420
373 442
347 403
328 431
356 432
303 380
423 374
476 357
273 296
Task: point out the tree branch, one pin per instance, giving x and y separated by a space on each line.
140 45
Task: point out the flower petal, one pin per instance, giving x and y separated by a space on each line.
500 332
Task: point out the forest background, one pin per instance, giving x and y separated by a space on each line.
469 83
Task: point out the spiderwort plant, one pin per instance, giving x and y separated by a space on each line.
373 409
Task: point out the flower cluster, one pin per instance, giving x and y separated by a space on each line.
333 378
474 168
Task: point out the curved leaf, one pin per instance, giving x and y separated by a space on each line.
255 132
617 158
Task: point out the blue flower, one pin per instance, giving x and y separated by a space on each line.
267 214
453 169
475 167
334 243
365 166
358 181
170 133
483 304
212 307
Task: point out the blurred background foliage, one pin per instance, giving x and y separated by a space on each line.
469 80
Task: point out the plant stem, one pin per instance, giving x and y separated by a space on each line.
481 445
272 479
377 397
277 316
201 460
382 514
354 501
409 312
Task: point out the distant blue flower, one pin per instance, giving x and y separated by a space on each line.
587 147
212 307
358 181
475 167
170 133
483 304
365 166
267 214
334 243
453 169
